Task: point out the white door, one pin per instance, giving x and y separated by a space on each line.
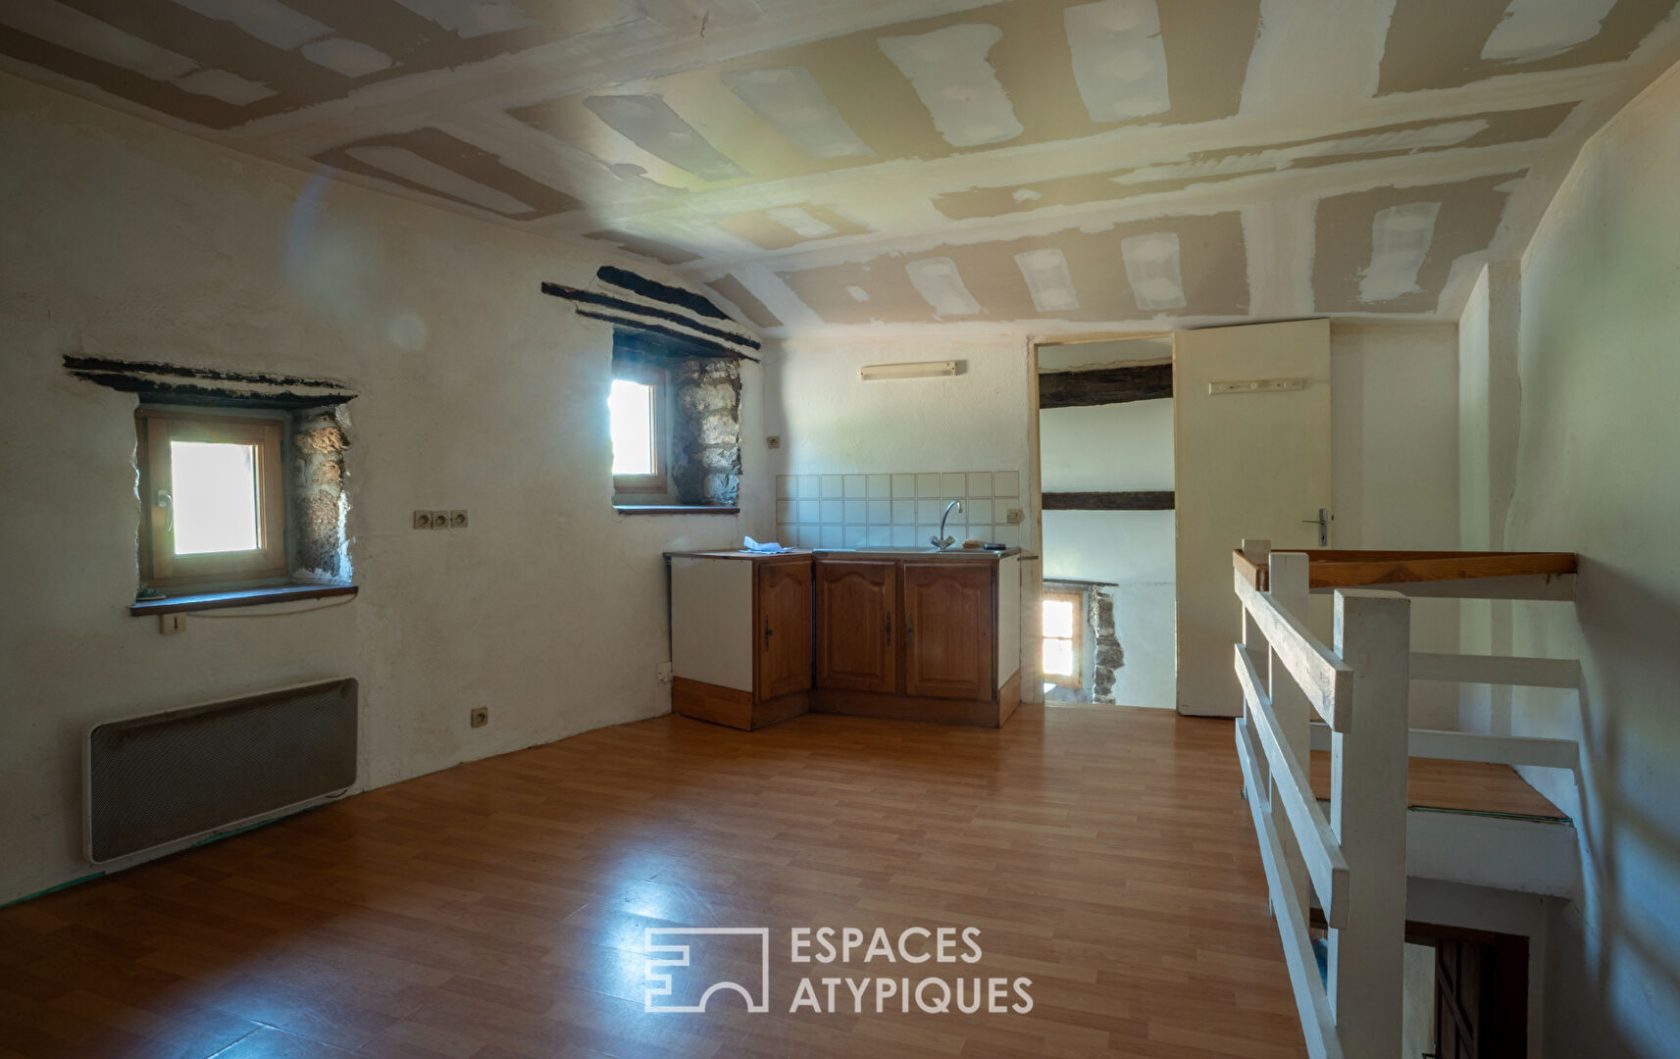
1249 463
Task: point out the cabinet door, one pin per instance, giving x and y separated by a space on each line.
784 628
857 619
948 630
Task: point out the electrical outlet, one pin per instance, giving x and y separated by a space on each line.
440 519
774 441
663 672
457 520
1015 516
422 520
479 717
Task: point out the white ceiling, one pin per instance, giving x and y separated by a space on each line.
1050 165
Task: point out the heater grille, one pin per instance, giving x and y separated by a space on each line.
168 777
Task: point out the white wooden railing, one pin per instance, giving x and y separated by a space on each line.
1350 698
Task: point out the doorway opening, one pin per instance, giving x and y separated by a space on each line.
1106 521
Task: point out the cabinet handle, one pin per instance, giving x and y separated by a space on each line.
909 630
886 629
767 634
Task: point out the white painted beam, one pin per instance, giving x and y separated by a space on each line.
1312 1004
1493 749
1543 587
1495 669
1368 773
1498 852
1474 746
1328 683
1292 791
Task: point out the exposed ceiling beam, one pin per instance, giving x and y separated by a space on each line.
1137 500
1077 389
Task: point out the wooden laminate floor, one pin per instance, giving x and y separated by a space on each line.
498 909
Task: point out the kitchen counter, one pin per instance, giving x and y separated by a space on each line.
881 552
889 552
912 633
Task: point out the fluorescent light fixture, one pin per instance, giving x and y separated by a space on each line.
925 369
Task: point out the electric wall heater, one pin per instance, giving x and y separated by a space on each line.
163 780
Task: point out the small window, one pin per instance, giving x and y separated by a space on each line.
639 429
215 498
1063 639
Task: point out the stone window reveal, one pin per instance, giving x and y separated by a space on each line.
701 407
281 438
1096 651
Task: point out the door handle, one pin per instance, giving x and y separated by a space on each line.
1323 524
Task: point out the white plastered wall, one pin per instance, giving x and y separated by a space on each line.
478 392
1591 468
1394 424
1118 447
1394 406
830 421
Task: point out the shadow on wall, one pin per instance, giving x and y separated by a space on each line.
1629 833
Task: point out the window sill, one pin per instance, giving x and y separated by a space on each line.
676 509
239 597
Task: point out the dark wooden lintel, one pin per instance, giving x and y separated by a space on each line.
1146 500
1075 389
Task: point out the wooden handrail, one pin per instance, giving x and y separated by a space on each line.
1329 568
1327 681
1313 835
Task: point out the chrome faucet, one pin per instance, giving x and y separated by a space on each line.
941 541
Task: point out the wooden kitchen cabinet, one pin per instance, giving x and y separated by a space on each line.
740 636
757 639
784 622
927 639
857 622
948 629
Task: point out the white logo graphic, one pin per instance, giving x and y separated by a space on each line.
660 985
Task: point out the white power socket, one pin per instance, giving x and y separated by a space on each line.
663 672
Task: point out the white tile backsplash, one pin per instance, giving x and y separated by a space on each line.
900 509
